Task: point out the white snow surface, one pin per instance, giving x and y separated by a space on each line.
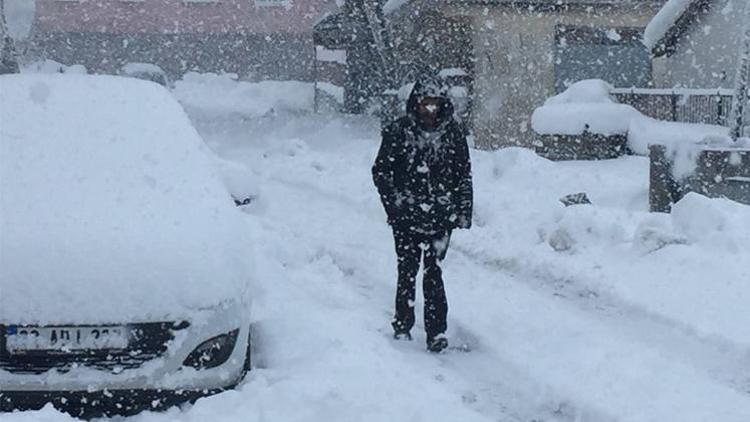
223 94
600 312
52 66
111 207
135 68
584 106
664 20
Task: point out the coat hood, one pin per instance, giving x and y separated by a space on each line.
430 87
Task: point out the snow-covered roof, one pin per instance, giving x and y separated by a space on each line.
664 20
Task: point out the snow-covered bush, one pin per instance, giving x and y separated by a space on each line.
212 94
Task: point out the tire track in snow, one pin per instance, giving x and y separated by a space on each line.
484 380
719 358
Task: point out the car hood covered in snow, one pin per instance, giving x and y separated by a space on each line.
110 207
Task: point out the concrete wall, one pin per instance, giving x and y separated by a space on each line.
514 66
239 36
707 54
178 16
252 56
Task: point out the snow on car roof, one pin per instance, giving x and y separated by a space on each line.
110 207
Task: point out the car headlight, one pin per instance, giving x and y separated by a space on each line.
212 352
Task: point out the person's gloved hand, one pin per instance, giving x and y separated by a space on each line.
463 222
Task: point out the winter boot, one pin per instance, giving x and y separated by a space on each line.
400 332
437 344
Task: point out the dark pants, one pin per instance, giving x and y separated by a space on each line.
411 249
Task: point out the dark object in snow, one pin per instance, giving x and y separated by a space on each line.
719 172
575 199
663 189
423 176
586 146
243 202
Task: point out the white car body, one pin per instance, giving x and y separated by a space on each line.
112 212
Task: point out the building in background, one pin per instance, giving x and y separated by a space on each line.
257 39
697 43
511 55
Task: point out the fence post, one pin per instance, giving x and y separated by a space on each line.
663 190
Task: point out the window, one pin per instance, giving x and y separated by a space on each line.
615 55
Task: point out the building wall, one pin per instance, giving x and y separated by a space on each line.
239 36
251 56
178 16
514 67
707 54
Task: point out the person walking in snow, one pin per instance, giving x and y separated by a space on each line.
423 175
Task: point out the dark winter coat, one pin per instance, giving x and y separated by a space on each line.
424 177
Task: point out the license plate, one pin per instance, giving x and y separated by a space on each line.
19 339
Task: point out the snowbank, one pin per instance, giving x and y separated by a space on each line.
645 131
51 66
111 208
211 94
575 119
588 106
134 68
335 91
663 21
584 107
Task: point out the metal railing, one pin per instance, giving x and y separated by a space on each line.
709 106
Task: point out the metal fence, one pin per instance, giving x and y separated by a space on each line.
710 106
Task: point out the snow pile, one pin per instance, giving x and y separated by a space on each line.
136 68
645 131
212 94
669 14
714 224
51 66
108 192
588 91
584 107
335 91
587 106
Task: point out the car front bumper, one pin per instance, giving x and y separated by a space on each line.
91 404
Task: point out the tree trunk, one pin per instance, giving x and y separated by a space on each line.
742 80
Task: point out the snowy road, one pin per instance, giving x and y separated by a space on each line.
551 339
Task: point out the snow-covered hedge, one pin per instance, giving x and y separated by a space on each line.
213 94
588 106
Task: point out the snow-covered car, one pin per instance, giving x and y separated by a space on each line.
124 273
147 72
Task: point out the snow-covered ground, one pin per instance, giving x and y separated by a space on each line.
599 312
